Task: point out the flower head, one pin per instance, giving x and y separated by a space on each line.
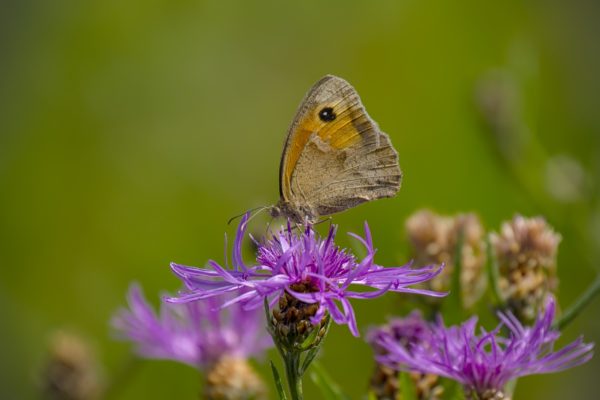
485 363
196 333
310 268
526 249
407 332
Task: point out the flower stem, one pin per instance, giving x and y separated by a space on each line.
297 347
122 377
292 370
493 275
582 302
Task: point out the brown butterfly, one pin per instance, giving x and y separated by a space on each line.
335 157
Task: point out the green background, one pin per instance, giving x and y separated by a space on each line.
130 131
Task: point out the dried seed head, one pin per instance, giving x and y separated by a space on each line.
384 384
428 386
233 379
435 240
71 371
489 394
526 250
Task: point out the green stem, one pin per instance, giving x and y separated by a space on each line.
452 308
493 275
582 302
122 377
292 370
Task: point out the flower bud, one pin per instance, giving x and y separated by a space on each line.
291 319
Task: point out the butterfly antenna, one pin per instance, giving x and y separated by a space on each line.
258 209
268 230
254 212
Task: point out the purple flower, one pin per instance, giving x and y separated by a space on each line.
407 332
485 363
196 333
310 268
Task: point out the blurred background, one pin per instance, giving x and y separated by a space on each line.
130 131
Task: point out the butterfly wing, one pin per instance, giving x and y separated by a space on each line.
335 156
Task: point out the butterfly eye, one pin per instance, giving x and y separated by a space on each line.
327 114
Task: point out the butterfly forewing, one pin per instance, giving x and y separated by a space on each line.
335 155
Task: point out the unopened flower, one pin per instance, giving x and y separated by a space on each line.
566 179
293 321
215 341
72 371
311 269
407 332
499 102
435 239
485 363
526 250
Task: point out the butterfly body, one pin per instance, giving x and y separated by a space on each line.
335 157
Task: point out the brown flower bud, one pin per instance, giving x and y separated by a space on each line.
71 371
384 384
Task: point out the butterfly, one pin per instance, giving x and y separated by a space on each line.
334 157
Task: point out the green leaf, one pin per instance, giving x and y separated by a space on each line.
329 389
278 384
310 356
371 396
312 353
408 391
268 318
309 341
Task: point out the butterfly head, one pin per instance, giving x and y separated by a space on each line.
299 214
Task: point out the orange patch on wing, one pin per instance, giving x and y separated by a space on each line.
301 137
340 135
343 133
345 136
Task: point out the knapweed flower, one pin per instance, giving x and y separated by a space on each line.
215 341
435 239
485 363
526 250
407 332
311 269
